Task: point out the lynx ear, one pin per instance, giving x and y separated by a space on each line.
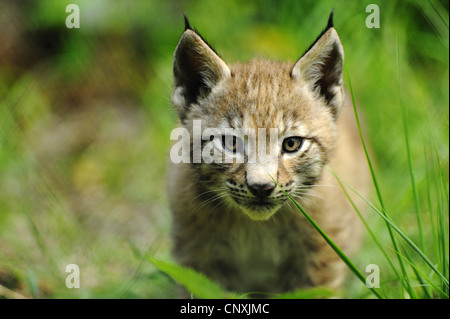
321 67
197 69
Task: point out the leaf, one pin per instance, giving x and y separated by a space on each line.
196 283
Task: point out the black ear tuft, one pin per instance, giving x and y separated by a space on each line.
187 26
330 20
321 67
329 26
197 69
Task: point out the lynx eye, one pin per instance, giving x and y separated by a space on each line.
232 144
292 144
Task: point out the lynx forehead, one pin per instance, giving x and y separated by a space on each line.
232 221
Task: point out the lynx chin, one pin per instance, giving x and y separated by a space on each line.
231 221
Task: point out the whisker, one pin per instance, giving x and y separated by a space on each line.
305 202
211 200
218 202
210 191
328 185
308 194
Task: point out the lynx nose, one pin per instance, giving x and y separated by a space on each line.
261 190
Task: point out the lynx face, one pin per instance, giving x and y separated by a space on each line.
281 117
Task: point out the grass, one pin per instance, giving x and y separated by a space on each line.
335 247
202 287
390 225
85 119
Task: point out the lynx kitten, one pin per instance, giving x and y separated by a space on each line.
231 221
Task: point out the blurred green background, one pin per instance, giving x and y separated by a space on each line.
85 120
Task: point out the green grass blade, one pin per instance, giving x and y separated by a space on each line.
374 179
411 172
336 249
441 219
195 282
394 227
428 175
366 152
421 274
372 235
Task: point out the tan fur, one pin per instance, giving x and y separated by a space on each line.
215 230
